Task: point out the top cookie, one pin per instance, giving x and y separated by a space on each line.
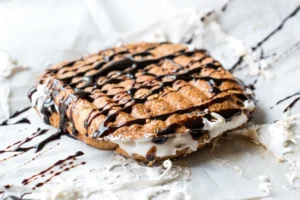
144 90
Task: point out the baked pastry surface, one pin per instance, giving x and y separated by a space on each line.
149 101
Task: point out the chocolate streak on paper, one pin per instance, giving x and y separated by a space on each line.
292 103
266 38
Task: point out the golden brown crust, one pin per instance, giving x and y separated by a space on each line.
178 80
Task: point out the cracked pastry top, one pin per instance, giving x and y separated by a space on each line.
149 101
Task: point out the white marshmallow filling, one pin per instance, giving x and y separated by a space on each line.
181 141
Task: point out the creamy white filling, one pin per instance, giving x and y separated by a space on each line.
249 105
39 97
179 142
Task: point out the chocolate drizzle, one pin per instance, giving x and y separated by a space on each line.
122 64
159 140
197 133
31 92
7 186
187 76
126 68
171 129
18 198
224 7
17 146
292 103
58 173
203 18
43 143
252 86
238 62
15 198
229 113
51 168
104 129
17 113
11 197
267 37
22 121
48 108
278 28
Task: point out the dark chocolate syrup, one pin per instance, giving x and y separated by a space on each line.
252 86
58 173
292 103
24 194
278 28
203 18
266 38
43 143
33 159
104 129
20 112
31 92
224 7
48 108
197 133
58 163
17 146
196 126
89 119
190 40
15 198
7 186
159 140
238 62
23 120
171 129
187 76
229 113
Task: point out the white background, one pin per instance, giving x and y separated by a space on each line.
37 33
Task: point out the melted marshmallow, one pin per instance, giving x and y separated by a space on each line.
274 137
39 97
179 142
